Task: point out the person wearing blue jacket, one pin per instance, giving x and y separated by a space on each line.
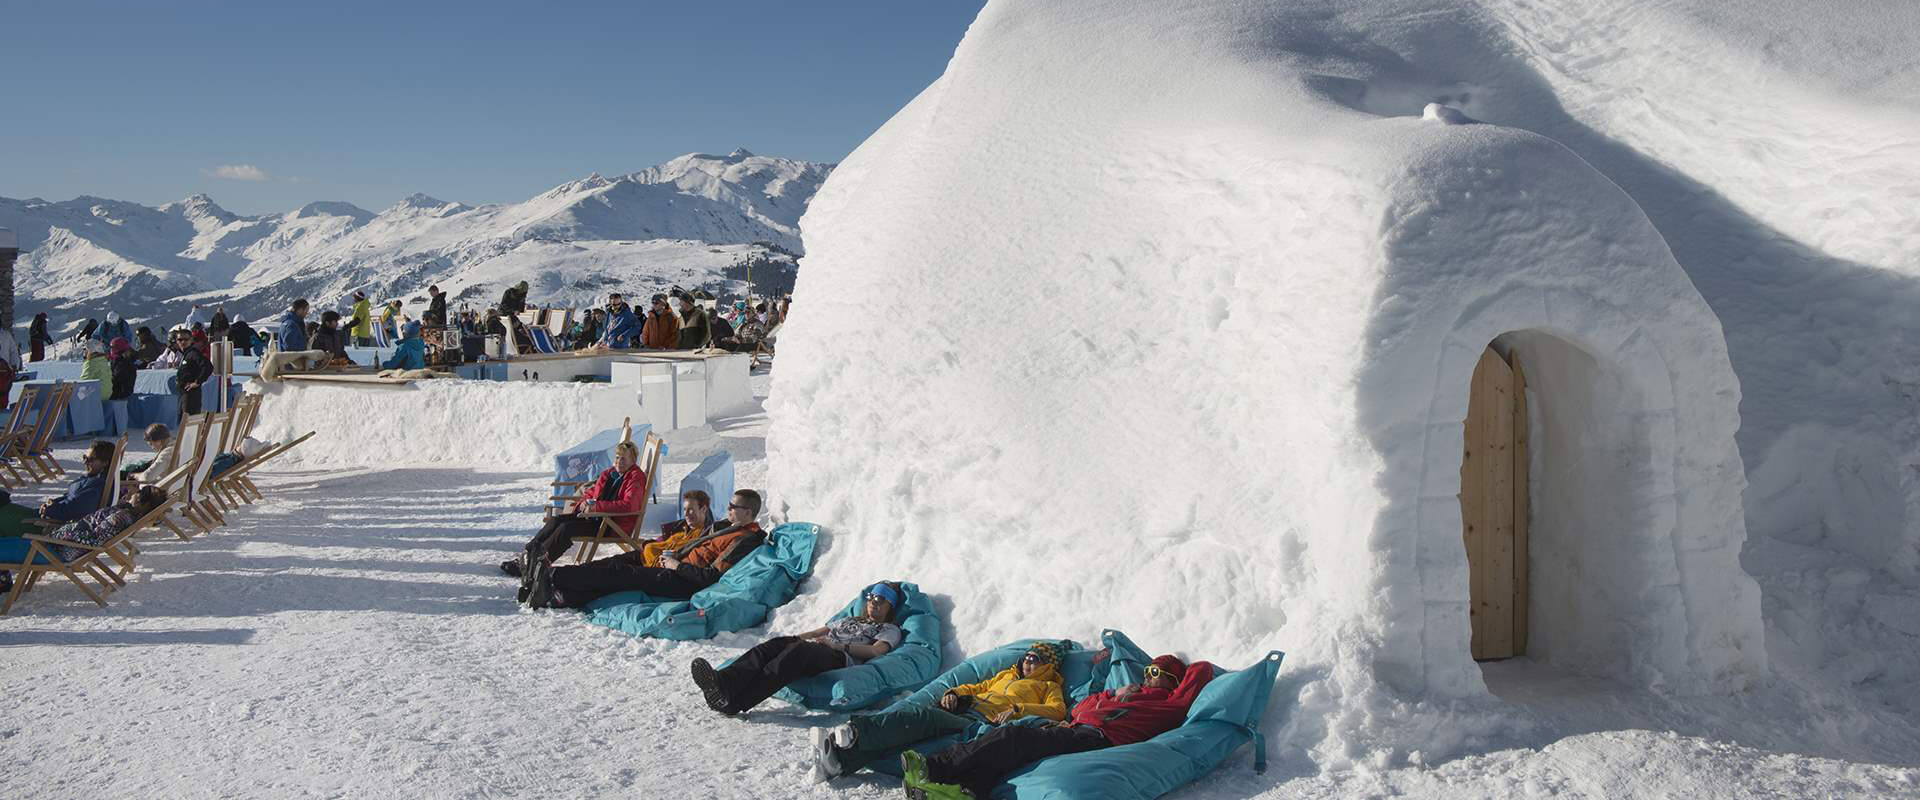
293 327
82 496
116 328
412 351
623 328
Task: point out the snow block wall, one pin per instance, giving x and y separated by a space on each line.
1177 338
509 427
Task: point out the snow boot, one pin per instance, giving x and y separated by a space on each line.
512 568
827 745
708 680
539 586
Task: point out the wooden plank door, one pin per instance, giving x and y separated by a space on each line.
1493 508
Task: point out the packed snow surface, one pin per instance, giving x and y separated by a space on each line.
1197 291
352 636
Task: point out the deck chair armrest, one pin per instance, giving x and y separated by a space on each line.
34 537
45 523
570 483
611 514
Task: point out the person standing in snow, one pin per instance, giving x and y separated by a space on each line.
97 367
770 665
195 319
662 330
1032 687
362 320
695 330
193 373
436 315
514 299
38 338
240 334
146 348
116 328
293 327
681 573
120 354
1129 714
623 328
217 327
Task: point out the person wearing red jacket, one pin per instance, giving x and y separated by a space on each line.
619 489
1129 714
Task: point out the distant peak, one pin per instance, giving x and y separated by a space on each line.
740 153
331 208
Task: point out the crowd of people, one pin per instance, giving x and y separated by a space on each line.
693 552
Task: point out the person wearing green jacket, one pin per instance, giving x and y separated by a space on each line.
362 325
98 368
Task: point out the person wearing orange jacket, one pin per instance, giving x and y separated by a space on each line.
620 488
662 330
1129 714
1029 688
695 566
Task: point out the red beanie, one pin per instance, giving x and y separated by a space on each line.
1172 666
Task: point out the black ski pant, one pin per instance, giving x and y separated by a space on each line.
771 665
557 535
579 585
981 764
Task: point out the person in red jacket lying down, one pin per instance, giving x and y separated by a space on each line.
1132 713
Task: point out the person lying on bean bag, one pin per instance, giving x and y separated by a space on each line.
1129 714
1029 688
776 662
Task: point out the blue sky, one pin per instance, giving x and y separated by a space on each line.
478 102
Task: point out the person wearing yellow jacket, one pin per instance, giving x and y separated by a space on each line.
362 325
1030 688
696 516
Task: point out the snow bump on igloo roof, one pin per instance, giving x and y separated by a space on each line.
1123 322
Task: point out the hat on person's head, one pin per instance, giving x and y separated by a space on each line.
522 286
359 295
1172 666
119 345
113 317
1048 652
659 297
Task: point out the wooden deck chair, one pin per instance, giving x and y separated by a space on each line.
14 439
608 532
236 481
187 447
764 347
108 564
40 460
190 494
109 490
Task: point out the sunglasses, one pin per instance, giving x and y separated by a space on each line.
1154 671
872 597
1034 658
738 507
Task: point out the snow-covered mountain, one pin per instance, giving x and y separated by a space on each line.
695 220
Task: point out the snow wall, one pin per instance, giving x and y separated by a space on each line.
1192 321
513 426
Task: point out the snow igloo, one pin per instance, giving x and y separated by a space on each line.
1124 322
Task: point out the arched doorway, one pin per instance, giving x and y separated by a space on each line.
1494 505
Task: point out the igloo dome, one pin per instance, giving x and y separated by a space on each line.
1136 319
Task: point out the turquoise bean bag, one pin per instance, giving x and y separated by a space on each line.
903 668
1077 671
766 579
1225 715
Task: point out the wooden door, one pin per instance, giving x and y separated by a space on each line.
1493 506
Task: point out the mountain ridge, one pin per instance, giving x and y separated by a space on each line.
689 221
